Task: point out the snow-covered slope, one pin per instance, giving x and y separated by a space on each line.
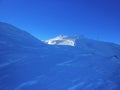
29 64
12 36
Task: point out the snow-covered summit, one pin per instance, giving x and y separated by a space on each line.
63 40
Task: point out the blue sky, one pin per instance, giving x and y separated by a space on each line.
96 19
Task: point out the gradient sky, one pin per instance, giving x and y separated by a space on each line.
96 19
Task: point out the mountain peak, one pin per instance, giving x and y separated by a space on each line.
64 40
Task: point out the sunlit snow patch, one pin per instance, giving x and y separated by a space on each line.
63 40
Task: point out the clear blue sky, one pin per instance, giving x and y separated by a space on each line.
48 18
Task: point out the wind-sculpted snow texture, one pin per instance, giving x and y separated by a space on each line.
29 64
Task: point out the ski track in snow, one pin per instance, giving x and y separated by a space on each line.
65 63
75 58
24 84
29 83
11 62
74 87
4 65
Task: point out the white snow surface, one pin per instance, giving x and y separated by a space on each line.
63 40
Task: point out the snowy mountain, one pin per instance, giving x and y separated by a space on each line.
63 40
29 64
